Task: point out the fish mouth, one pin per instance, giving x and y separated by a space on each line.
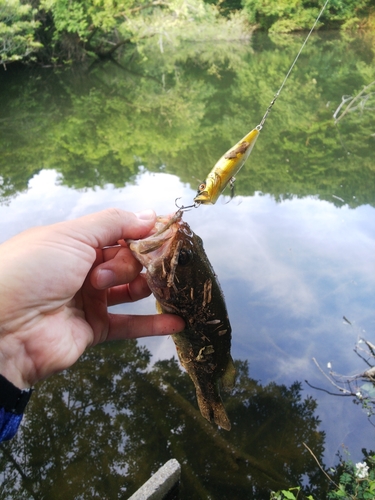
154 248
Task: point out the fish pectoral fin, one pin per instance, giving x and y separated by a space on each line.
229 376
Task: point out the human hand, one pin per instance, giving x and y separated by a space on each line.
56 283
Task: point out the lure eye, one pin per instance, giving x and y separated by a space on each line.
201 187
185 256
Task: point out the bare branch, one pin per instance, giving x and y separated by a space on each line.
352 101
327 392
341 389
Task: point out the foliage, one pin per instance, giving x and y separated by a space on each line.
59 31
17 31
293 15
288 494
351 481
179 111
62 31
99 26
354 481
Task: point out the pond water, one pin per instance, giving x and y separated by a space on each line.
294 252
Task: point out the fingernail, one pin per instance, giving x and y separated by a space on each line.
145 215
105 278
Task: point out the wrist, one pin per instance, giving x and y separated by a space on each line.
14 376
11 361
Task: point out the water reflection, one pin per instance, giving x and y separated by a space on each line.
292 258
183 109
287 286
102 427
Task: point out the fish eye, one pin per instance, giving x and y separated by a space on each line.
201 187
185 256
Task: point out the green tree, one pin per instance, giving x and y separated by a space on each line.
17 31
294 15
179 111
72 30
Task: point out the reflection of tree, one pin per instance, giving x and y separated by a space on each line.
101 428
181 110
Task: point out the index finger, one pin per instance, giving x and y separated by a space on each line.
130 326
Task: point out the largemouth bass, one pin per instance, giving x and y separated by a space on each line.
184 283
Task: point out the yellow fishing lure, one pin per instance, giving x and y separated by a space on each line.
232 161
226 168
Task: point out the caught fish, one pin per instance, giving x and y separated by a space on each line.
232 161
184 283
226 168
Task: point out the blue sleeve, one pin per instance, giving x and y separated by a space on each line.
9 423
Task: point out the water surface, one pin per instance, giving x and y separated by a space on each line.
294 252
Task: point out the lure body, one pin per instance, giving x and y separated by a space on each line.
226 168
229 164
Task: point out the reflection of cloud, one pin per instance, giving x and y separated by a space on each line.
47 202
160 347
43 203
157 191
283 250
290 271
249 257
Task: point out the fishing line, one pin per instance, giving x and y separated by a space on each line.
260 126
225 169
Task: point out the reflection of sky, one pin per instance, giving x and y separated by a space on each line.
290 271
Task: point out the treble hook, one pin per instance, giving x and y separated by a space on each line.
196 204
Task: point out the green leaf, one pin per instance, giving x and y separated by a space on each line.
341 492
289 495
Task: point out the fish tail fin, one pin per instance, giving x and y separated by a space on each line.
214 411
220 416
209 401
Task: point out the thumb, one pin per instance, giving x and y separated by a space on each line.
105 228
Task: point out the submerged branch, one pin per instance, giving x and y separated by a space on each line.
108 53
